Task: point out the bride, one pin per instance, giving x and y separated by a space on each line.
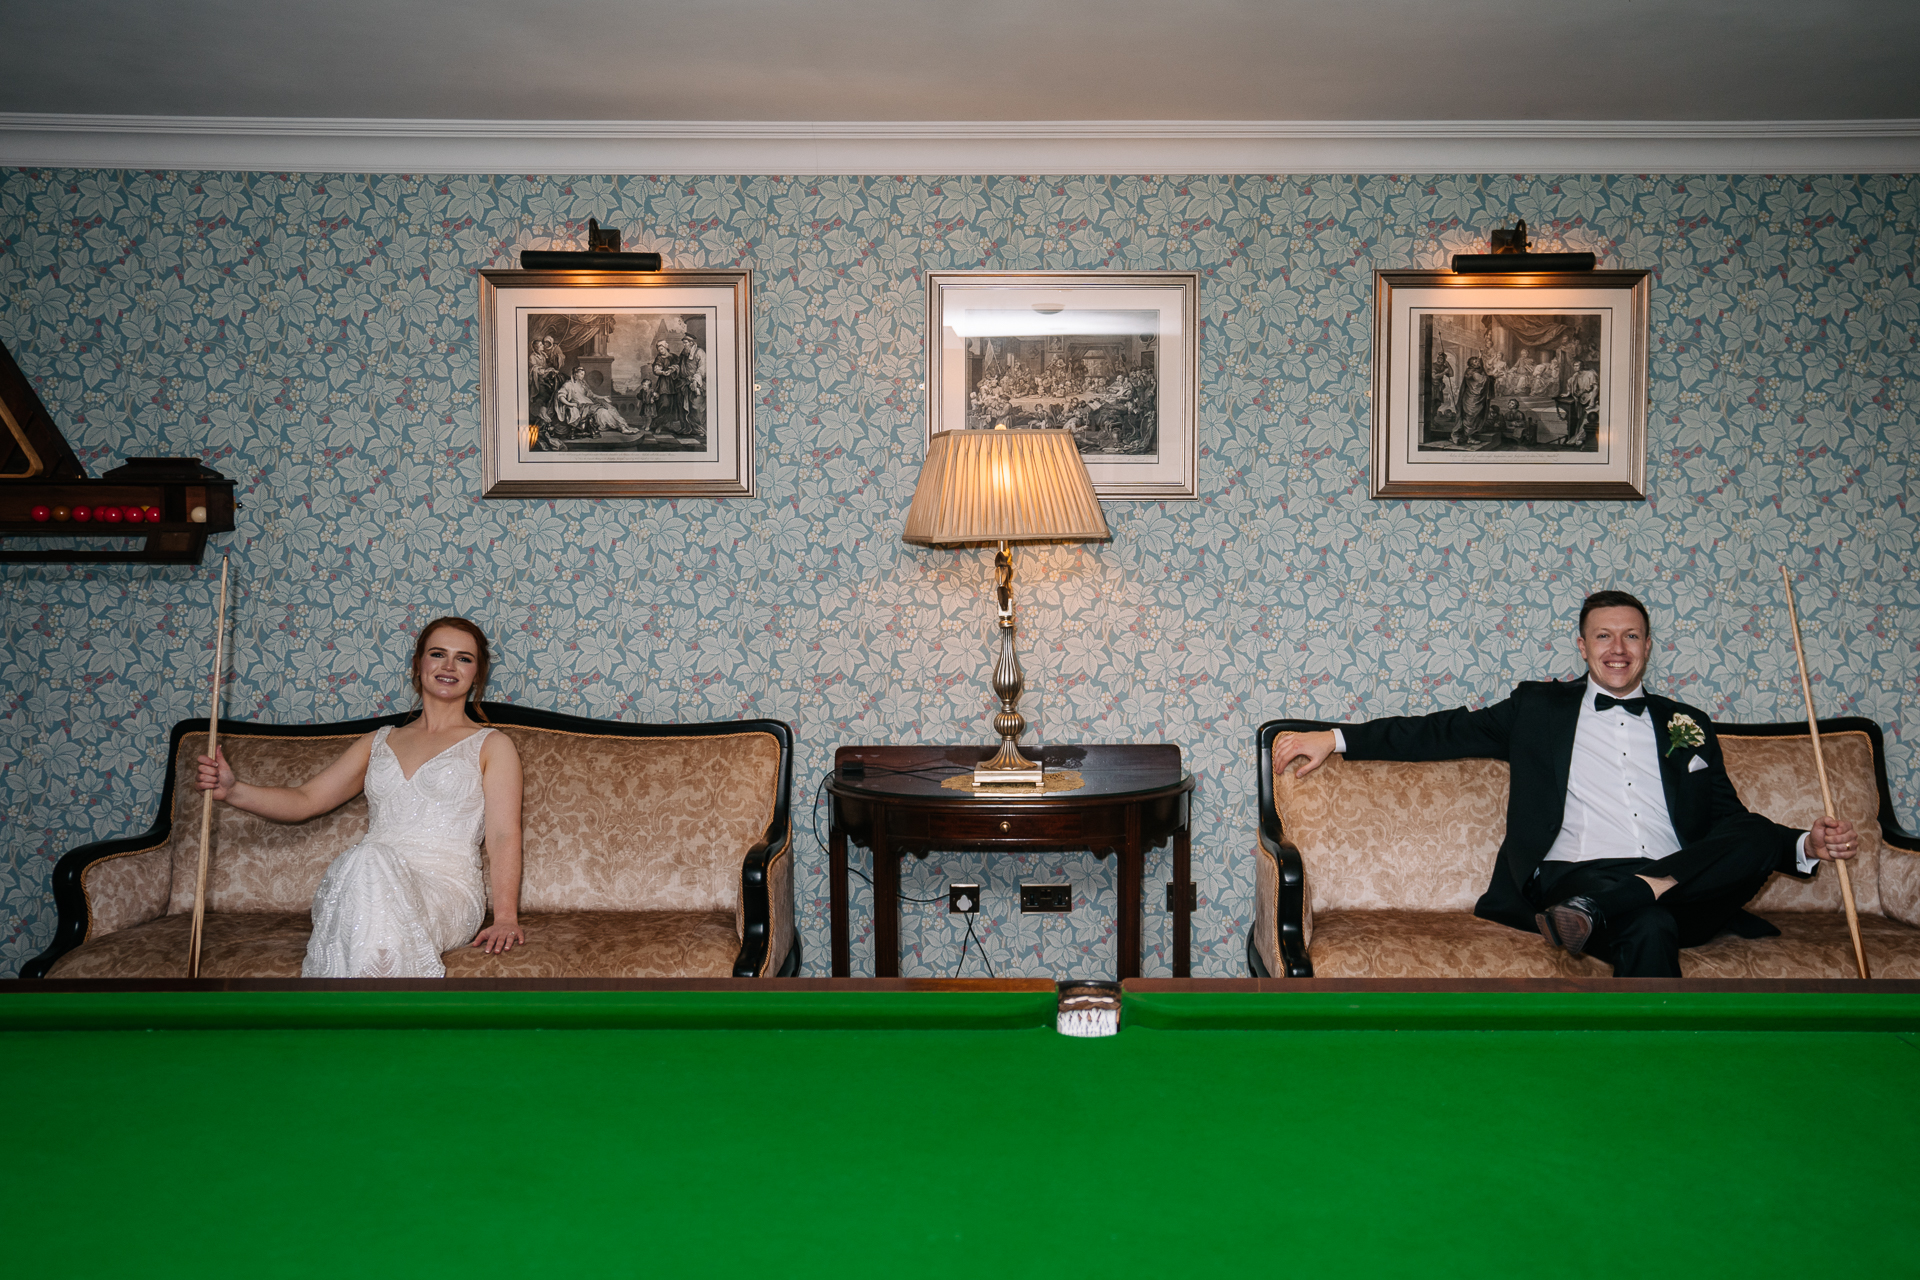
411 890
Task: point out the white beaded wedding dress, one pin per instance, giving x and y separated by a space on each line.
412 889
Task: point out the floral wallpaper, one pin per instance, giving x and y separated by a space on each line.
313 336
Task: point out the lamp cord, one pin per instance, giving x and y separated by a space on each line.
820 791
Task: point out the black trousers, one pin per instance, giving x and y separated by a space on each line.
1715 879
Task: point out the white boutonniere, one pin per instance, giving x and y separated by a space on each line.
1683 732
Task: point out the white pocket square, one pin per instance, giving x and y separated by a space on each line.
1696 764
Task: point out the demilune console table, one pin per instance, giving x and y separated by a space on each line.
890 800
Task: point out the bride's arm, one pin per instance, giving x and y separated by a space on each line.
500 779
326 790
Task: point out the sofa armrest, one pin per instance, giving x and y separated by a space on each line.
105 886
1282 913
768 946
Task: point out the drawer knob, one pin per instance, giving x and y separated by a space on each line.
1006 826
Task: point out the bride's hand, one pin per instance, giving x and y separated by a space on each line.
498 938
215 774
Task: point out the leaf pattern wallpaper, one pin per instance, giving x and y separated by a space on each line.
314 337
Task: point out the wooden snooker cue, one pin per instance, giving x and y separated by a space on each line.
1820 764
206 797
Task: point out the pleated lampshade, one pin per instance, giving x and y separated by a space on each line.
1004 486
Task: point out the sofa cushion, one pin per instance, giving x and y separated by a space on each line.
1775 776
1444 944
1393 943
237 944
1378 835
610 944
255 864
574 944
641 824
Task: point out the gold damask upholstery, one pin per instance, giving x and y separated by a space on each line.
1393 856
567 944
641 824
238 944
634 850
597 944
257 864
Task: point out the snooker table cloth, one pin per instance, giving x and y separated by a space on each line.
854 1127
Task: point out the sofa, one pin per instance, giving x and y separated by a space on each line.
1370 869
650 851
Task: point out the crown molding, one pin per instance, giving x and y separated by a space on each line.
30 140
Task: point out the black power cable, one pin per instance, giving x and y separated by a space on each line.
820 791
973 937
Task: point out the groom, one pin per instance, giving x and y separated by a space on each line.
1624 836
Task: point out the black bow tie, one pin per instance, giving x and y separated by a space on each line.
1632 706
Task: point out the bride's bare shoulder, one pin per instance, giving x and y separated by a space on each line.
498 747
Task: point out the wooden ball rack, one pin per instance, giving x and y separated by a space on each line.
38 469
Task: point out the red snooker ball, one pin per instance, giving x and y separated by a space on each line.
133 515
83 514
153 515
110 515
42 514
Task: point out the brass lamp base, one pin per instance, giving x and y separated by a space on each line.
1008 766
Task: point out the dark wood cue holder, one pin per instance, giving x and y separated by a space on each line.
39 469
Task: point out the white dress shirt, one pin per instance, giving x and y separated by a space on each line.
1616 803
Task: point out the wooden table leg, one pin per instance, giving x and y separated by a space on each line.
1131 872
886 901
837 889
1182 894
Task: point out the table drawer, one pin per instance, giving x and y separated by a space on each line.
1064 828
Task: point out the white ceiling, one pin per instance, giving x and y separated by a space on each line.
784 64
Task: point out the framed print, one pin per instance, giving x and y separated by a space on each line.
616 384
1112 356
1510 386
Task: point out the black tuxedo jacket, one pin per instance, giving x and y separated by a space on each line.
1532 730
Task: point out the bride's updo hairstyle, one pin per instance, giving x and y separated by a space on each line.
482 655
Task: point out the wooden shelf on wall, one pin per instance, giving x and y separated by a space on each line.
179 487
39 469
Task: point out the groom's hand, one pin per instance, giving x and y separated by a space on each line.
1316 747
1831 838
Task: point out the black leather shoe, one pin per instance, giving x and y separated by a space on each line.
1570 924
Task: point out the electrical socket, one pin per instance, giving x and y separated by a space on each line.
963 899
1046 897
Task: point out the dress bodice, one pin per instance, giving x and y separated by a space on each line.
442 805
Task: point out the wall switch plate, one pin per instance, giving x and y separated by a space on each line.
1046 897
963 899
1193 896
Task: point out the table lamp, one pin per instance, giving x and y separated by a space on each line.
1004 486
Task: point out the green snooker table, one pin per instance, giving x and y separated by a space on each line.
836 1127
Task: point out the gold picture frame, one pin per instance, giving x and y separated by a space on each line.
1521 386
616 384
